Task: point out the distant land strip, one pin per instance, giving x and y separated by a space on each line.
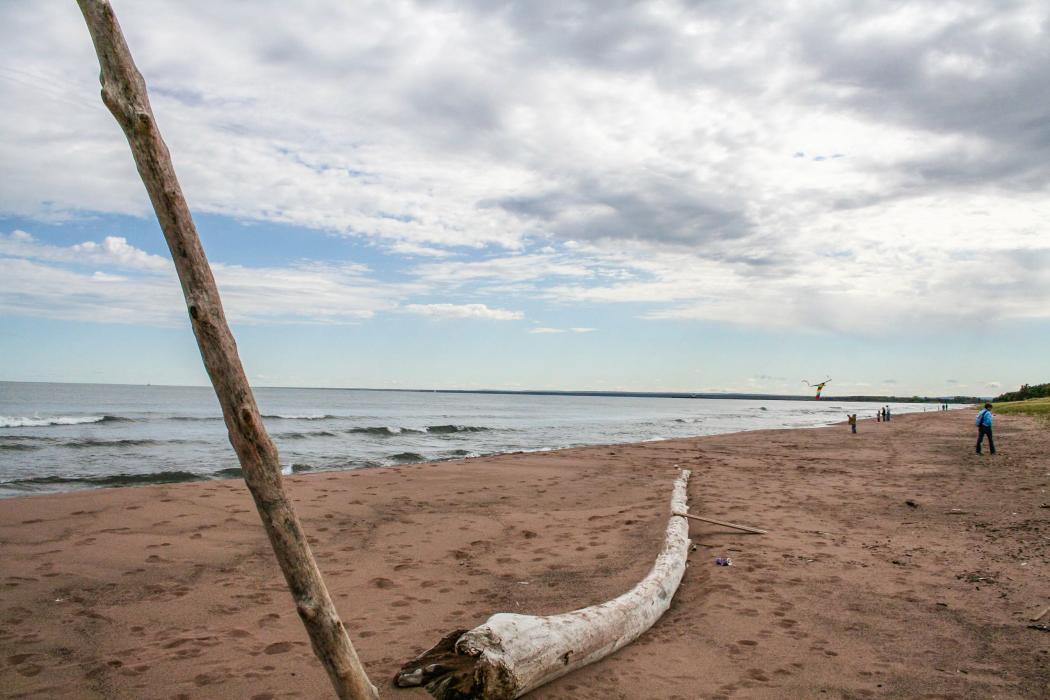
628 394
692 395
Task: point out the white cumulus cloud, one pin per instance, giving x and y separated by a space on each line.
480 311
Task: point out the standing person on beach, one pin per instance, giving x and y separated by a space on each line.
984 427
852 420
887 414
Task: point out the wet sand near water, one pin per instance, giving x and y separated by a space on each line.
172 591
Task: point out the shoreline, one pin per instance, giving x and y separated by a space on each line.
171 590
24 487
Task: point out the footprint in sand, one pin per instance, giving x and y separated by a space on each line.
204 679
278 648
268 620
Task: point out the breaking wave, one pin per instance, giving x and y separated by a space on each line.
382 430
127 442
303 435
36 442
38 422
172 477
18 447
456 429
282 416
237 473
403 457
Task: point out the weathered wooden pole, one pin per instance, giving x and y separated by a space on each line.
124 93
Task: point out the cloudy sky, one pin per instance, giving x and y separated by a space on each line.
687 196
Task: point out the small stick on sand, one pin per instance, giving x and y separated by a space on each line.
745 528
1039 616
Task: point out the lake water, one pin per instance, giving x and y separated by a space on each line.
60 437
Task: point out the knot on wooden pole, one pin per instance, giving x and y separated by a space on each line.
308 609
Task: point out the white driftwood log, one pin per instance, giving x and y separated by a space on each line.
512 654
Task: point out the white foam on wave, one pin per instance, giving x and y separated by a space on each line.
38 422
292 416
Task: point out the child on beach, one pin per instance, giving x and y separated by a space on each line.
852 420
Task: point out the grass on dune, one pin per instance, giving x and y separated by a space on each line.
1031 407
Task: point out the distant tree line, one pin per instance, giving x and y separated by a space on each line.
903 399
1027 391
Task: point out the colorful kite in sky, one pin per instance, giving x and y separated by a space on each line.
819 387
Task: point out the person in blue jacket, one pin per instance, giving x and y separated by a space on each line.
984 427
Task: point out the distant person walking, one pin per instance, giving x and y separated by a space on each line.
886 414
852 420
984 427
878 416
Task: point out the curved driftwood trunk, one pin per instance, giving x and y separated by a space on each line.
512 654
124 93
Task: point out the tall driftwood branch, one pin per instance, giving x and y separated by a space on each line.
512 654
124 93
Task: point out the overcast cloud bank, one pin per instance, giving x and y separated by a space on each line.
858 168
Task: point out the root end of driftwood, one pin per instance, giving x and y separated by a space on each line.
444 672
452 670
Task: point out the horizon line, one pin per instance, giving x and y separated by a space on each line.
559 392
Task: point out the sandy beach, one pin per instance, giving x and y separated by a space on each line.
898 564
